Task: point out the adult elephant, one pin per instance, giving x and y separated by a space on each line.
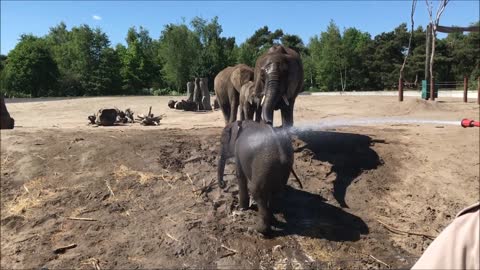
6 122
278 81
227 85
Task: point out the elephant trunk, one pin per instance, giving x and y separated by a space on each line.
221 169
271 97
224 155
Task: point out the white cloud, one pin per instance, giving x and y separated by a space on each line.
97 18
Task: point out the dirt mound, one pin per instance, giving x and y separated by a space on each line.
421 105
126 202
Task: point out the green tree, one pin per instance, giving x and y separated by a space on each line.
139 68
326 51
82 55
261 40
353 49
293 41
31 69
179 48
59 41
463 51
472 41
107 75
415 67
386 57
215 52
3 63
247 54
309 70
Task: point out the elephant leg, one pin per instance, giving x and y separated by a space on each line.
242 113
287 114
265 218
258 114
233 109
226 112
249 112
244 199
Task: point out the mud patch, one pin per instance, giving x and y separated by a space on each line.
132 203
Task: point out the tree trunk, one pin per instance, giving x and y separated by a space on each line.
197 94
427 53
432 82
205 94
190 89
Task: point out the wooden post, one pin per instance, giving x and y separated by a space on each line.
432 88
465 89
427 53
478 93
400 89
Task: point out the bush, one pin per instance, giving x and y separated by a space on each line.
314 89
11 94
161 92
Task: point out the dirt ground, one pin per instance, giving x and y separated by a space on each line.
144 197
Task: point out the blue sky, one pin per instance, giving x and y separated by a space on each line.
238 19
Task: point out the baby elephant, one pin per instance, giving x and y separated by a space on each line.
264 159
249 103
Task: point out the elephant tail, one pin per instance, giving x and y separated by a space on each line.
296 178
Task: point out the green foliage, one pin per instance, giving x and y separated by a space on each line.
215 52
178 49
138 66
81 61
328 60
86 63
30 69
294 42
257 44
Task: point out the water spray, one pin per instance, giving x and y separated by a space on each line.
380 121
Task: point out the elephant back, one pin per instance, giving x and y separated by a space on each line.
222 78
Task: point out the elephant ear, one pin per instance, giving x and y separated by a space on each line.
235 131
296 76
241 75
251 93
229 137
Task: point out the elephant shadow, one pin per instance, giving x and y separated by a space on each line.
308 214
349 154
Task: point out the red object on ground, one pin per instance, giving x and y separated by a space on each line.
470 123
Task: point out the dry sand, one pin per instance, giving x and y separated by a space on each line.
132 182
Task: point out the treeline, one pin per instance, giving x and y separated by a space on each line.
82 62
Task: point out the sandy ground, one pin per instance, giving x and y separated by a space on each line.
73 112
146 198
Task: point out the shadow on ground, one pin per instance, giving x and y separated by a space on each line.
348 153
308 214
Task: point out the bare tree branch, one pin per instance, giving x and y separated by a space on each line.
440 10
414 5
434 23
429 9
